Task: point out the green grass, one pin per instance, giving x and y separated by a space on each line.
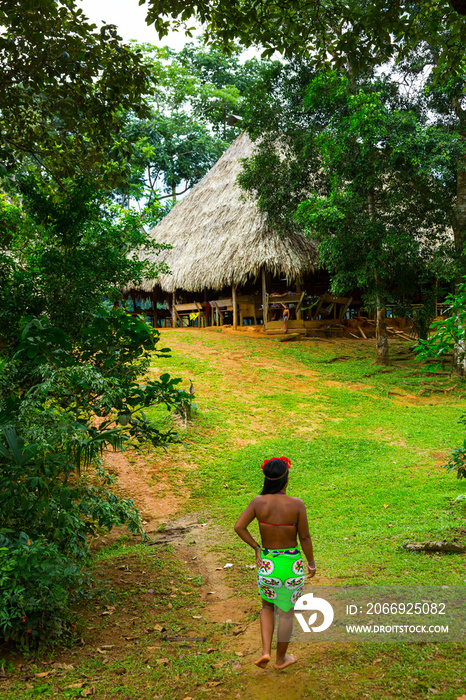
130 669
366 445
375 439
361 450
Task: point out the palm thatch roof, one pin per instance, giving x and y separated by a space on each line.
219 239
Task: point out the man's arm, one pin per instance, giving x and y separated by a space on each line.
305 539
246 517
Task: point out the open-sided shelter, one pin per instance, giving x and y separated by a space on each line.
220 239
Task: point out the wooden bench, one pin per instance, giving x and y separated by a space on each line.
333 302
181 311
220 306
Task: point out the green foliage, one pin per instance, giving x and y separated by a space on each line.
35 584
446 102
94 375
70 389
357 166
423 315
223 83
62 252
359 34
448 335
41 570
285 165
64 85
172 152
457 461
53 490
186 131
378 228
72 373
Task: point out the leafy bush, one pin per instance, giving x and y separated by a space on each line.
448 336
41 569
457 461
71 386
63 403
54 493
36 582
38 491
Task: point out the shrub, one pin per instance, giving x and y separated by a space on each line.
64 403
36 584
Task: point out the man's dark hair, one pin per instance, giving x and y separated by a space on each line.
276 476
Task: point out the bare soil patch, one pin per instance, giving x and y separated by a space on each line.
144 479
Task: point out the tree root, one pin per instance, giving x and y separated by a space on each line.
434 547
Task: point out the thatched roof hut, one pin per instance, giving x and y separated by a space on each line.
221 239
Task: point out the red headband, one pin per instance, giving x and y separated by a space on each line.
283 459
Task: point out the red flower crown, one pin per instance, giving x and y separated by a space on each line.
283 459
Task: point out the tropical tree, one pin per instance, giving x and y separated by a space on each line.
445 101
63 87
195 92
376 174
71 371
72 385
224 82
358 34
62 253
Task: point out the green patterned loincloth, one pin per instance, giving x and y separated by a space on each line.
281 577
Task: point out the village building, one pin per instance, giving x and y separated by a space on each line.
228 266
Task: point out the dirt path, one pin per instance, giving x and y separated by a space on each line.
242 375
240 380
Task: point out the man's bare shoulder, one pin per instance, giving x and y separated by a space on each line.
255 500
299 502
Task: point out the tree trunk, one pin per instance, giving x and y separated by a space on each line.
459 232
381 356
381 339
174 319
235 306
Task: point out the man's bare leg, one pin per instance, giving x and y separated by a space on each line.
285 628
267 625
286 318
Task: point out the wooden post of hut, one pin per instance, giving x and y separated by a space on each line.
235 306
174 316
299 314
155 315
264 297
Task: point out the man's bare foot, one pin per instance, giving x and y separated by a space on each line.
287 661
263 661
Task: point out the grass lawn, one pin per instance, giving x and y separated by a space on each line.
366 445
366 450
